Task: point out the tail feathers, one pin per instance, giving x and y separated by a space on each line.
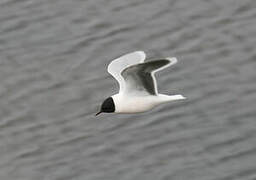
176 97
167 98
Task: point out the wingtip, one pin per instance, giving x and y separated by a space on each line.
142 53
173 60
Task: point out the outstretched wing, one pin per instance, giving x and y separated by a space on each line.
140 79
118 65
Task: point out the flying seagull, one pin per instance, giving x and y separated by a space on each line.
137 84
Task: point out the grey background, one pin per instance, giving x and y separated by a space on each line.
53 59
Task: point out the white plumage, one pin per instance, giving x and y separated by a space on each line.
137 84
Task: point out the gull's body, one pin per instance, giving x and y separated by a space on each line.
137 84
136 104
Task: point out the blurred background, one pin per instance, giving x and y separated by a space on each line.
53 78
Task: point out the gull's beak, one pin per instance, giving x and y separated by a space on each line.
98 113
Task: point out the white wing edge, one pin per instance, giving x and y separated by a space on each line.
142 58
173 60
117 73
142 54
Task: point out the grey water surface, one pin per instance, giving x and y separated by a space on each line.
53 78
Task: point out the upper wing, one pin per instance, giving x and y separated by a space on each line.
118 65
140 79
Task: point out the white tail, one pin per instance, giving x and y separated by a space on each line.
167 98
177 97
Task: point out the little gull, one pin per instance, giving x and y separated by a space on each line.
137 84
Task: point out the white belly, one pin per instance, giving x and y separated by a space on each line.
135 104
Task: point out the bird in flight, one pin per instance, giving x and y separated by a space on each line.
137 84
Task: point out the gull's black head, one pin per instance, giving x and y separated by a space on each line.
107 106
